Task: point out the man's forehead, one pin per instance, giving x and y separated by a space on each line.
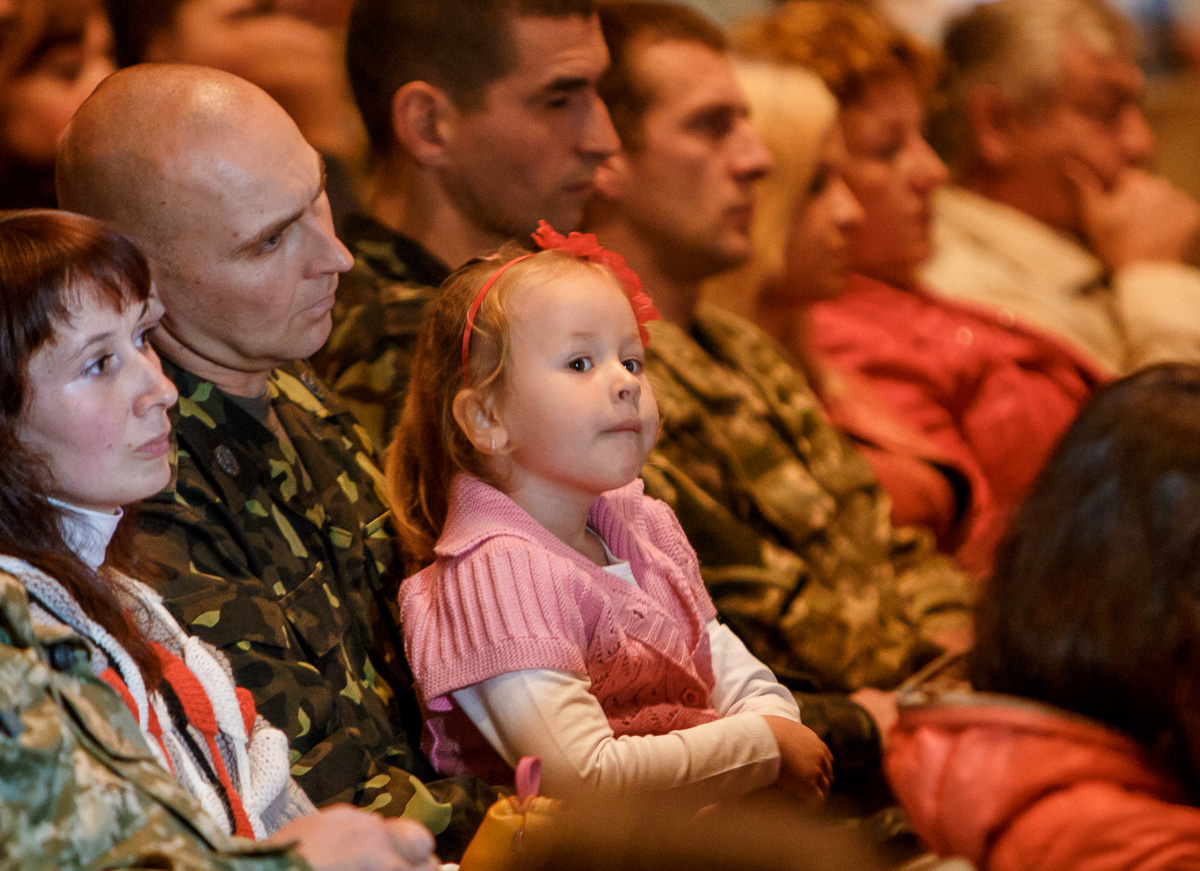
551 48
1086 69
683 77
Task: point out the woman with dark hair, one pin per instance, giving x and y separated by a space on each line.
83 432
1082 747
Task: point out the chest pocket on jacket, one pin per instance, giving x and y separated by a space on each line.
314 611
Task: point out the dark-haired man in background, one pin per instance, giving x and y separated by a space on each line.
483 118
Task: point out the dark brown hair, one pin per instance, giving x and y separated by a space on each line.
135 23
1094 604
630 25
460 46
48 259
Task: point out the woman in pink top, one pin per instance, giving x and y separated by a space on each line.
563 615
993 395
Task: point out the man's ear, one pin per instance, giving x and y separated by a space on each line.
422 115
993 120
612 177
476 415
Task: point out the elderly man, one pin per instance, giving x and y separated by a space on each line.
1057 220
483 117
791 527
273 540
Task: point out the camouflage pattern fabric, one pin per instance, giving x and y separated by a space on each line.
375 319
80 788
793 532
279 552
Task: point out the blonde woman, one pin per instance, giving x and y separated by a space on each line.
803 224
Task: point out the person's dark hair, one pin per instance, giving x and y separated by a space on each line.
48 259
1094 604
629 26
135 23
460 46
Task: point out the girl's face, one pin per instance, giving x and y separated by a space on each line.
893 172
577 415
816 262
97 406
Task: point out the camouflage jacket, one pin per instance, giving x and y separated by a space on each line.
375 319
793 532
80 788
280 554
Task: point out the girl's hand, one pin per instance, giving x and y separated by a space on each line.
806 765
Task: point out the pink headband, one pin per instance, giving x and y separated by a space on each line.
586 247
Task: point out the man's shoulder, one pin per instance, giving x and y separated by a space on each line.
386 290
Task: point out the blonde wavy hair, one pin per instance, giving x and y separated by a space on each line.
792 111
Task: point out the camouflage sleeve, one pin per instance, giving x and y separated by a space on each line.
79 786
818 620
340 752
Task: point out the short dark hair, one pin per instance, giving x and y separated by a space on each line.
135 23
460 46
632 24
1094 603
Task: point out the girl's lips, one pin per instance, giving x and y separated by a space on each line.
634 426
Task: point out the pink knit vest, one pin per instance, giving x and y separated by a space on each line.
506 595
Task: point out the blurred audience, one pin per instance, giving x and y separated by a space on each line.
292 49
803 222
793 532
989 393
1081 748
52 54
1057 220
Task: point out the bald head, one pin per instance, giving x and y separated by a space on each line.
226 199
149 133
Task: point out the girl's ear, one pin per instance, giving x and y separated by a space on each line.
475 414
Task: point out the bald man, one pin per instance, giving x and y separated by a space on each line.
273 541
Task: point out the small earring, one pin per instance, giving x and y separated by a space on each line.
493 443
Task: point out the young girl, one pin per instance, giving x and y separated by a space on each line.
564 616
1081 749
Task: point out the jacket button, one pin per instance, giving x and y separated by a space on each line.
227 461
62 657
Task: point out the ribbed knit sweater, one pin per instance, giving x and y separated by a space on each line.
506 595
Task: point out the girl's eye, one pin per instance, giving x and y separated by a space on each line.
579 364
141 339
633 364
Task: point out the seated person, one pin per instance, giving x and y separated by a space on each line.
993 394
52 54
792 531
84 427
518 78
1080 748
805 216
1058 219
563 615
272 537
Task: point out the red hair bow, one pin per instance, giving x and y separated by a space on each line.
586 246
